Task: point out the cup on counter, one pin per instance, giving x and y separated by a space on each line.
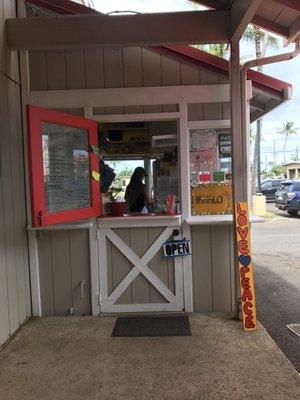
170 204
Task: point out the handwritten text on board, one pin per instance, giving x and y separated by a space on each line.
245 266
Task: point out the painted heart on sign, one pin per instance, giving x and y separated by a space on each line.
244 260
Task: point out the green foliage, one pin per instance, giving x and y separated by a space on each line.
288 128
275 172
113 193
126 172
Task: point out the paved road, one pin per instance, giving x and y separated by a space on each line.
276 249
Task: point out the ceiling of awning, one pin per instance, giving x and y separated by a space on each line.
278 16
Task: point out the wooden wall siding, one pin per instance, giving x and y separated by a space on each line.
64 262
121 67
140 291
15 305
213 280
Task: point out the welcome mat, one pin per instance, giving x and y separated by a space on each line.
171 325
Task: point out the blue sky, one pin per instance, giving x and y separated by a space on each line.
287 71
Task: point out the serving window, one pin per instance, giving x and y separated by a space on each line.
210 172
63 169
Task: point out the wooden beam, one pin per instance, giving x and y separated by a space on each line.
294 32
271 26
241 14
77 31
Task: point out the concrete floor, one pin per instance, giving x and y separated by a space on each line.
75 358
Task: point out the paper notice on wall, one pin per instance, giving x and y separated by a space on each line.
96 176
202 139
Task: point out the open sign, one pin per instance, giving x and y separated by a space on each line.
177 248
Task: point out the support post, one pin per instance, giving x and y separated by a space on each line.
239 158
185 203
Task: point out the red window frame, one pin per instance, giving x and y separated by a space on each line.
40 217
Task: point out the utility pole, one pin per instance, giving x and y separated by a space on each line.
274 156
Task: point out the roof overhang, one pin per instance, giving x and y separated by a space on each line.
268 92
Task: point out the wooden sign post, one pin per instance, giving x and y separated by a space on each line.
245 266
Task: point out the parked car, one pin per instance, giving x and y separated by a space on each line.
269 188
287 197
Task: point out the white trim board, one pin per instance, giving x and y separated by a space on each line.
139 221
130 96
164 116
209 124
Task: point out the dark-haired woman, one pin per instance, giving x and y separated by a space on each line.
136 195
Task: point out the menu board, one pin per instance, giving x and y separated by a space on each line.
66 167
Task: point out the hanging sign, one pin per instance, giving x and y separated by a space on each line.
176 248
211 199
245 266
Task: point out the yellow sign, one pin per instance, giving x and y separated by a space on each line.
245 266
211 199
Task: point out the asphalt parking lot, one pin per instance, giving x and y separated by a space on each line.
276 254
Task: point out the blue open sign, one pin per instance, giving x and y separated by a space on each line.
177 248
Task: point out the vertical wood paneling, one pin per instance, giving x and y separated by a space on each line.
75 67
121 266
8 220
170 77
202 269
60 256
46 273
140 286
15 135
133 77
110 279
220 268
80 271
158 265
94 68
64 261
113 72
152 74
225 110
195 112
38 70
56 69
189 74
234 295
212 111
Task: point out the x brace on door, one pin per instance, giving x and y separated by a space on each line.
140 266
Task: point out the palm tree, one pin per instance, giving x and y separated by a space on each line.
288 128
219 50
262 40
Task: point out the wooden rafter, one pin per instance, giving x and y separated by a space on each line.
241 14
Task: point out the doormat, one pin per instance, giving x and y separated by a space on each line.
171 325
295 328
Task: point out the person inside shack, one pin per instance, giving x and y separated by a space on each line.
136 195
